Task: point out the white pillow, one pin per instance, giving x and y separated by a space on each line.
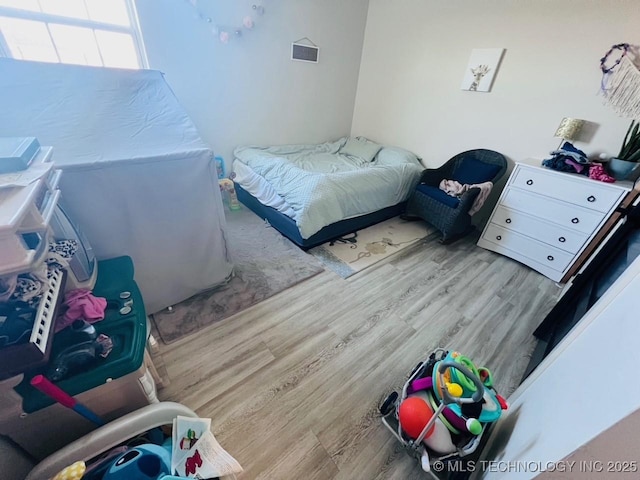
397 156
361 148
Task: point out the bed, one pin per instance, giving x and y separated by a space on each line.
319 192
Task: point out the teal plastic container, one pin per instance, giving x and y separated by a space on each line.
128 333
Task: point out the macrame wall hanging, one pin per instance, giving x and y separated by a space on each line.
621 82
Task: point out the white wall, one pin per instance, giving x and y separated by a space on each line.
586 385
416 52
612 445
249 91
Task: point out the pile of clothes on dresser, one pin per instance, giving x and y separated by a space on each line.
573 160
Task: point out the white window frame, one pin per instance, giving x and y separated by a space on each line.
133 29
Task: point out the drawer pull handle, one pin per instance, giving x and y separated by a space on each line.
591 199
575 220
529 182
498 237
508 220
562 239
550 258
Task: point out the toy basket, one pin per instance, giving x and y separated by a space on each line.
460 403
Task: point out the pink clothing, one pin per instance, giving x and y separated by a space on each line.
81 304
456 189
596 172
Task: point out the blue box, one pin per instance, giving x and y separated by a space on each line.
16 153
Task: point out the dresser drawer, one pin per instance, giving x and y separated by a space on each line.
562 213
553 234
542 253
562 186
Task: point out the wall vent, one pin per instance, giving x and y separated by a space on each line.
305 53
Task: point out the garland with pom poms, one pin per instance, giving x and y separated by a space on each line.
224 35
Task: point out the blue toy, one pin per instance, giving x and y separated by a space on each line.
220 170
145 462
491 409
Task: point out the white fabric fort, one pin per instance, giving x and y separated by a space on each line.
137 177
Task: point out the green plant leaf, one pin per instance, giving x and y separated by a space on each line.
634 143
626 138
631 147
634 157
634 132
631 143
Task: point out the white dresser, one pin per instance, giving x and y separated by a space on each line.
545 218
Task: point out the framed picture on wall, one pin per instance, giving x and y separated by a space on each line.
482 68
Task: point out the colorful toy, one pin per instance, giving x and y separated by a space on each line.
450 420
488 410
414 414
474 426
145 462
72 472
227 186
465 382
420 384
220 170
437 438
454 422
454 389
485 377
460 401
63 398
503 403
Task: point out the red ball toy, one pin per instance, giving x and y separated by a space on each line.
414 413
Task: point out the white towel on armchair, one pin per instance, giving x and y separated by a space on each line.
456 189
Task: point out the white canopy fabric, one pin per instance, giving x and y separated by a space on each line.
137 177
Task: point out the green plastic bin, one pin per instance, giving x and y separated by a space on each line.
128 333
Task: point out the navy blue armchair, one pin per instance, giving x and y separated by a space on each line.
450 214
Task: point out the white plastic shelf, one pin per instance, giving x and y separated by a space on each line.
25 213
43 325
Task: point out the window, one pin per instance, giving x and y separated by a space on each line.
102 33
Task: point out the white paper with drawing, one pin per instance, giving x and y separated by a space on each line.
196 452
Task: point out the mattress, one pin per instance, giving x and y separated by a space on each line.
260 189
287 227
316 185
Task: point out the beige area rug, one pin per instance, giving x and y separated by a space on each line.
355 252
265 263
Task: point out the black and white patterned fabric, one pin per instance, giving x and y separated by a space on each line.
59 254
28 287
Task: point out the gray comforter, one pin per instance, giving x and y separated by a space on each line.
323 186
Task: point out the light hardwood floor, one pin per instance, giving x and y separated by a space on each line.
293 384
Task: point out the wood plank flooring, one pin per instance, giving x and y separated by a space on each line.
293 384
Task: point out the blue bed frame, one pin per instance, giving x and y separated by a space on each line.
287 227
